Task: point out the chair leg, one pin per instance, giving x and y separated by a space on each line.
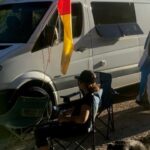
81 141
76 141
108 124
51 144
112 119
20 139
60 144
93 138
92 133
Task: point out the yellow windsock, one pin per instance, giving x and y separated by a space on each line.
64 10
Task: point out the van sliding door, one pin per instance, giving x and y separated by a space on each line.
115 39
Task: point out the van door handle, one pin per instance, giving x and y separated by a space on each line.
102 63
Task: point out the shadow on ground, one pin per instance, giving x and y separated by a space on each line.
131 120
129 123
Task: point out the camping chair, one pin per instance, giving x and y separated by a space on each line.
105 80
24 115
76 140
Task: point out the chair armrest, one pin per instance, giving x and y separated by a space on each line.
67 104
114 92
66 98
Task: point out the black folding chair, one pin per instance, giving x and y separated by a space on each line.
105 80
78 139
26 113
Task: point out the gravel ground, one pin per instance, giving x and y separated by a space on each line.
131 121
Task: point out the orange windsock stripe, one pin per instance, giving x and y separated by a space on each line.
64 7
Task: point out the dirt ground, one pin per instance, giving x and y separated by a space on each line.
131 121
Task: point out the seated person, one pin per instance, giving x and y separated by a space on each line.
79 120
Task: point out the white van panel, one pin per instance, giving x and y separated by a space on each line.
142 11
124 80
120 1
118 58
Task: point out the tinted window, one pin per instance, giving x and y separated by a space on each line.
49 35
18 21
77 19
114 20
108 31
118 30
53 32
112 13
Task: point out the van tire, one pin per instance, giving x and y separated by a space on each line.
33 91
36 91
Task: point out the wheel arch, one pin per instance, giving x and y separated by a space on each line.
35 78
46 86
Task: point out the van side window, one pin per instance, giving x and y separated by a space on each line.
53 32
18 19
77 17
114 19
77 23
49 35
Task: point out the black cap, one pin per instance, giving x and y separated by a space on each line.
86 76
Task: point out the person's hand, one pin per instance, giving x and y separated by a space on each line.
64 118
68 112
60 118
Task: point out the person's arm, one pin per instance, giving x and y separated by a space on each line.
80 119
68 111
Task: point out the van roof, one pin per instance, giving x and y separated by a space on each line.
21 1
3 2
30 1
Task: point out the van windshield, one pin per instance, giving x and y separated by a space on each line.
18 21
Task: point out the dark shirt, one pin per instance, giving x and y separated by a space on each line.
93 100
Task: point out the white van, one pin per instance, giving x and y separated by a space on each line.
108 36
